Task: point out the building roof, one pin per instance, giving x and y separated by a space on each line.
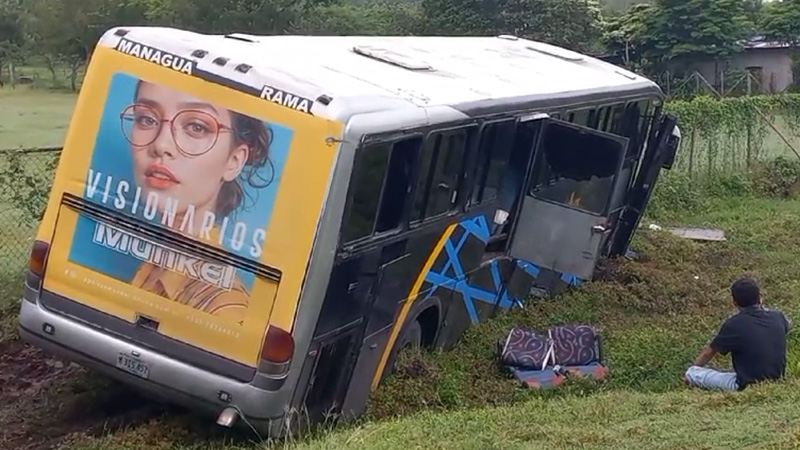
403 70
760 43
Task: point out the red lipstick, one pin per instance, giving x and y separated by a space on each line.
160 177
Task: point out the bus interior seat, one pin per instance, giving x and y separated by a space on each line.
544 361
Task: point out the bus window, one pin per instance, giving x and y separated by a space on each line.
423 182
494 151
440 175
379 187
576 171
634 126
614 119
596 118
398 182
643 126
446 173
580 117
370 167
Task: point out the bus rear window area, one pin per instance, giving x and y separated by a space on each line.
576 169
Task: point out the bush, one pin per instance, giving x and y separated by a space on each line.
677 192
778 178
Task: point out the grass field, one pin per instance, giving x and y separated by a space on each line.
655 315
34 118
763 418
28 118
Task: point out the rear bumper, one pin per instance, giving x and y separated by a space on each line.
170 379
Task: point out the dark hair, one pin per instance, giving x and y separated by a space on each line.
258 138
745 292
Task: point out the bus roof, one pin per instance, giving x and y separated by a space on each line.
384 72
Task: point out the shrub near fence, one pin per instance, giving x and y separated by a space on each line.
730 134
26 176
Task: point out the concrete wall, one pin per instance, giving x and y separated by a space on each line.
776 64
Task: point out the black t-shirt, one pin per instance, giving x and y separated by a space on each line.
756 339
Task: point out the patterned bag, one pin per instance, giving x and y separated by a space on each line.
575 345
526 349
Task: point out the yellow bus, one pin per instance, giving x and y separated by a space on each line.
253 226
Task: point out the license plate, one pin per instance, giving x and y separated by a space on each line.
133 366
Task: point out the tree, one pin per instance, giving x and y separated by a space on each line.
670 33
621 6
628 37
461 17
231 16
685 31
575 24
780 22
68 30
378 18
12 34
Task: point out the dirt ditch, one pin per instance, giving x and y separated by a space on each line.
45 401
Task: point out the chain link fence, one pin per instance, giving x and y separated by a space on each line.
26 176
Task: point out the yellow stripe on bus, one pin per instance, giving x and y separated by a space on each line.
412 297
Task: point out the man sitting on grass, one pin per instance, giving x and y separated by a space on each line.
756 339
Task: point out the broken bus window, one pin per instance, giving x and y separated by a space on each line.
577 169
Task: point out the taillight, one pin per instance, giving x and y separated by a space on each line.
38 259
278 346
276 358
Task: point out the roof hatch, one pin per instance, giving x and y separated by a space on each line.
392 57
558 53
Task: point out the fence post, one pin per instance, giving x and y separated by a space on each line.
748 151
691 154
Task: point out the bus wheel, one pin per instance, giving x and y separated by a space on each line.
412 338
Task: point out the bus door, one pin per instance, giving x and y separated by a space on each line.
562 220
498 170
501 172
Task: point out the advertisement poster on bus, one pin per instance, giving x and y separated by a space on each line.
182 163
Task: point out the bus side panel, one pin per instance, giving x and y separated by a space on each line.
365 291
477 299
469 293
468 284
473 290
457 254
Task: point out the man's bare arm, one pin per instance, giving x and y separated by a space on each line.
705 356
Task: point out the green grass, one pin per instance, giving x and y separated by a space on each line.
28 118
764 417
34 117
655 316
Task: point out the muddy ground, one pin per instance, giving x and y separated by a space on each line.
45 402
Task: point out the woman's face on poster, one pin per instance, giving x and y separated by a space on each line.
183 147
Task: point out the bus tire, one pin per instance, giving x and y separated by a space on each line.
412 336
412 333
